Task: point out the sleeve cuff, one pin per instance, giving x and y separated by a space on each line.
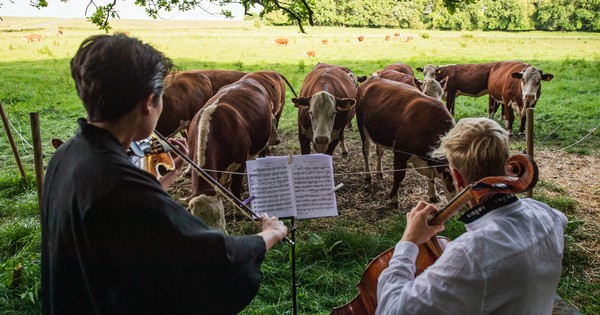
406 249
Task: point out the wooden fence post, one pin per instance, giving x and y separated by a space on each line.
12 141
529 140
37 155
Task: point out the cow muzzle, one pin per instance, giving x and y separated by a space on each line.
321 140
529 100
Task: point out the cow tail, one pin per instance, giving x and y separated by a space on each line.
203 131
289 84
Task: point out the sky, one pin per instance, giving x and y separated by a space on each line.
126 9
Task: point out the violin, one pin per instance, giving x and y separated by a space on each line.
155 157
522 175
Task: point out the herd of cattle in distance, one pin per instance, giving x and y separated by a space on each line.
232 116
361 38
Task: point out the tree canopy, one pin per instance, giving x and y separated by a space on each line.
296 11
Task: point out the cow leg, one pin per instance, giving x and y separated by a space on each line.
522 127
493 107
510 118
236 182
399 174
343 144
332 146
379 170
424 169
304 142
450 98
366 150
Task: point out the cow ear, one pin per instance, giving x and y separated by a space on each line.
444 83
438 70
418 83
56 143
547 76
344 103
517 75
301 101
419 69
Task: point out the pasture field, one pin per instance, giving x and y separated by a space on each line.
35 77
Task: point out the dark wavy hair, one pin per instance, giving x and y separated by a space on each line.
113 73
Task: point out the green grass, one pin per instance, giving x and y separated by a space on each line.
35 77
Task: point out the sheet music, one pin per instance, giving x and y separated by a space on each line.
302 189
270 181
313 186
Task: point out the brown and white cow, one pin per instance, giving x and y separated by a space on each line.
32 38
233 127
325 108
275 85
464 79
400 67
220 78
516 86
398 117
430 87
185 94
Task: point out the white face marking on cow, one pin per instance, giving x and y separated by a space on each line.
429 71
530 84
353 78
322 115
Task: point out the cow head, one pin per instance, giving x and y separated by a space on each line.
433 88
429 71
322 108
531 79
209 209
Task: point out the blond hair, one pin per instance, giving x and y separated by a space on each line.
476 147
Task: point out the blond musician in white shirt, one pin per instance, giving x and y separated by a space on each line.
509 260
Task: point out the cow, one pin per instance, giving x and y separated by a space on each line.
324 41
325 107
220 78
397 76
387 38
516 86
32 38
309 53
430 87
398 117
275 85
185 94
360 38
400 67
281 41
233 127
356 79
465 79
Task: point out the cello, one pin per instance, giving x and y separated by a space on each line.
522 175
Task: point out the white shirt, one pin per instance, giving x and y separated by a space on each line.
508 262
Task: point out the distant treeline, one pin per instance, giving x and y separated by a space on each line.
486 15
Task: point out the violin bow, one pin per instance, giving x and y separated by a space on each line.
220 188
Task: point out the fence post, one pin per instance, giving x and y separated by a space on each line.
529 140
37 155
